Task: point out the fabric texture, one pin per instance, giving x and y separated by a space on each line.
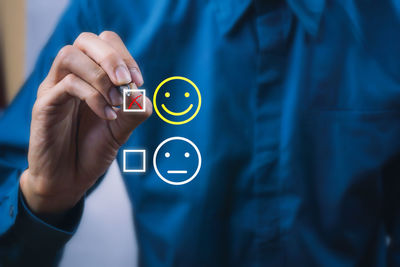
298 130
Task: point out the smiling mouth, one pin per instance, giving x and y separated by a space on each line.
176 113
177 171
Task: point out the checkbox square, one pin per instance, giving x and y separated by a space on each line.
134 100
134 152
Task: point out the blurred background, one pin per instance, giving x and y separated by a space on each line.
25 26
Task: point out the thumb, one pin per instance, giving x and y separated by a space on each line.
126 122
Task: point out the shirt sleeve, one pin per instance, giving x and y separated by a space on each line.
32 240
20 229
391 190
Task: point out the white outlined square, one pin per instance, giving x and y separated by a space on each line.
143 169
130 91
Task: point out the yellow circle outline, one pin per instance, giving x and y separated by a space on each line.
155 96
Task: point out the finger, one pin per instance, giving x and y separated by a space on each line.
115 41
73 86
72 60
105 56
126 122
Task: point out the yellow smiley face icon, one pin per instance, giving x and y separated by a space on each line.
177 100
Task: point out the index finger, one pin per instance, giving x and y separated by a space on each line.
104 55
115 41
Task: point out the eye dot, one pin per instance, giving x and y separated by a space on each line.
187 94
187 155
167 94
167 155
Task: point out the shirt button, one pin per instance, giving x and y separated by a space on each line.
12 211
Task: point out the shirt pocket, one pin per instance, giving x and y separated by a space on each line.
338 72
348 156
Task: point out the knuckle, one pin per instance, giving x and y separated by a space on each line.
109 35
83 37
66 50
65 54
101 78
95 95
70 81
110 58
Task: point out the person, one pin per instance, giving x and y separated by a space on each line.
298 130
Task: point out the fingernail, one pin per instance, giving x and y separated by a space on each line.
110 113
115 96
137 76
122 74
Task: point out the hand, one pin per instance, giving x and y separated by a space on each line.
75 131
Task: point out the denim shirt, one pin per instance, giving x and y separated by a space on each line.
299 132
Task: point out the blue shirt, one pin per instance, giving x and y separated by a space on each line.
299 131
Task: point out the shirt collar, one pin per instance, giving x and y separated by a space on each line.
308 12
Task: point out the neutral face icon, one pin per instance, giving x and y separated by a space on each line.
177 160
177 100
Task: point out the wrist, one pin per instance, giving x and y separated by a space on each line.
45 203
